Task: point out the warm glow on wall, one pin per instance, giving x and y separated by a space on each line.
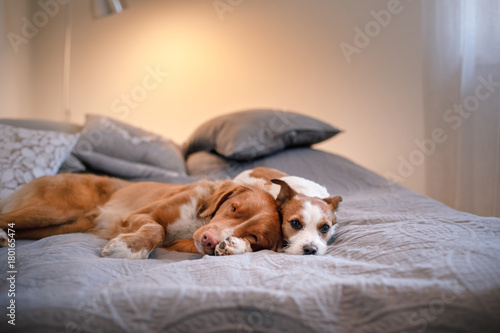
167 66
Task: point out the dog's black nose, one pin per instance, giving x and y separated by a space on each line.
310 249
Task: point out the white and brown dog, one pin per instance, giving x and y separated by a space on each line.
221 217
307 210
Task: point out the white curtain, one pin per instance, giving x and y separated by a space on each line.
462 103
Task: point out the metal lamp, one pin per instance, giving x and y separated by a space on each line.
102 8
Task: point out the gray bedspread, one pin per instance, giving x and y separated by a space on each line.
401 263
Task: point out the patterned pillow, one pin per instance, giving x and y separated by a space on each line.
26 154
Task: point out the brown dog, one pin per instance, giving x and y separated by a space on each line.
204 217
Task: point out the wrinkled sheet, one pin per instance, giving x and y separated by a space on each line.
401 262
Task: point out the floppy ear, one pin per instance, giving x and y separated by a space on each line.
221 194
286 192
333 202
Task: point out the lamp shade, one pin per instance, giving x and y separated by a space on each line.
102 8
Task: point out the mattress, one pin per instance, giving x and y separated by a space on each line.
400 262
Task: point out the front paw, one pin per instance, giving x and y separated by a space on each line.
232 245
118 248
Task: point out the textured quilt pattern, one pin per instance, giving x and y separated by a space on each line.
401 262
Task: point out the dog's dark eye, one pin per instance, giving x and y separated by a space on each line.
296 224
254 237
324 228
233 208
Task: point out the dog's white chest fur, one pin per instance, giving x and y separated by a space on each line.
187 223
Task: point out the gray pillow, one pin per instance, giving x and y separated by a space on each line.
246 135
123 150
72 163
45 125
208 165
26 154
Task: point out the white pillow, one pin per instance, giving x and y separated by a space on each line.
26 154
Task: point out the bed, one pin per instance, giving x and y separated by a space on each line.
400 262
